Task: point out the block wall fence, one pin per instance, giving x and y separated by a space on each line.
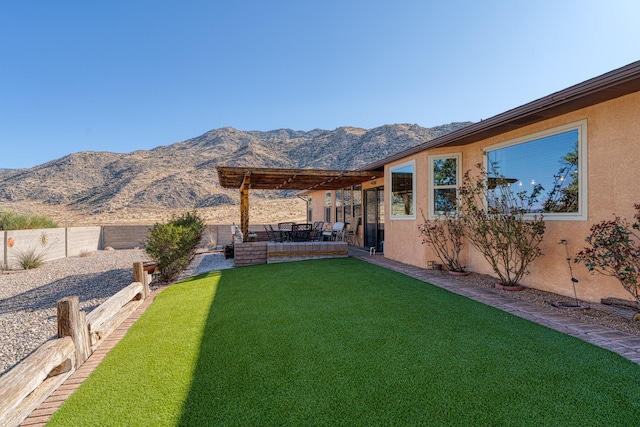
55 243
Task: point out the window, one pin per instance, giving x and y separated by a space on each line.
357 202
310 210
554 162
402 190
327 207
444 181
346 193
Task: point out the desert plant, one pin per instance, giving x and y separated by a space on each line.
496 224
30 258
614 250
173 245
10 220
444 235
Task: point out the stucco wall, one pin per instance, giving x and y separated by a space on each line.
613 132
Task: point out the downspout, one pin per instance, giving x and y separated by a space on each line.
305 199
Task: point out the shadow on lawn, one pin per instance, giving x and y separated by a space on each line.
198 408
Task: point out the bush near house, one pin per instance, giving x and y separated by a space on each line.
614 250
10 220
496 224
444 235
173 245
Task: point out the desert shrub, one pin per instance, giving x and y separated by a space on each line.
10 220
497 226
30 258
444 236
614 250
172 245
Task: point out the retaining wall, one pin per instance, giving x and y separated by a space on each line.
124 236
83 239
134 236
252 253
49 243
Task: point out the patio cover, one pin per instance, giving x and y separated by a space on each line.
245 178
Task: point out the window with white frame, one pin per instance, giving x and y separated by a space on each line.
554 162
444 181
403 184
327 207
339 209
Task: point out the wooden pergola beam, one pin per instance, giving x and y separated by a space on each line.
245 178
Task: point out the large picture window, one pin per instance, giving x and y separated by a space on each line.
403 190
444 181
553 161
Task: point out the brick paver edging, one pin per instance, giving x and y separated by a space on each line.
43 413
625 344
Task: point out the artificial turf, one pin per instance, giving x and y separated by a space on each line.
344 342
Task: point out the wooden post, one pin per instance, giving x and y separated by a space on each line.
72 323
244 205
139 276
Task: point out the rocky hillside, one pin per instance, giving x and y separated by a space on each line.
183 175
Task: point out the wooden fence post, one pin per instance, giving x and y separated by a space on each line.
139 276
72 323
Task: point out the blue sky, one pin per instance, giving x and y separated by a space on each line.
126 75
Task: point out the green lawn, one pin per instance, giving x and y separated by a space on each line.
343 342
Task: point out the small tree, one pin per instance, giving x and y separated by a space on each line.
173 245
615 251
444 235
495 224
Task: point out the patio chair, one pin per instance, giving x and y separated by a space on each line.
285 229
327 232
301 232
271 235
351 235
337 231
285 226
278 236
316 230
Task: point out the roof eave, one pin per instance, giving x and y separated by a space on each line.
616 83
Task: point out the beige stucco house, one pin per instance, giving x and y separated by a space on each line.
586 137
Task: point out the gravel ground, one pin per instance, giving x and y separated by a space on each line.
205 262
28 298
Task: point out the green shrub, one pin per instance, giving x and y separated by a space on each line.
173 245
614 250
497 225
10 220
30 258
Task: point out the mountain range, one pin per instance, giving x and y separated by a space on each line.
183 175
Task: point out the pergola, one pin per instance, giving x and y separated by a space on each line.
246 178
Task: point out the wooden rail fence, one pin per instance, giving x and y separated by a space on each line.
30 382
